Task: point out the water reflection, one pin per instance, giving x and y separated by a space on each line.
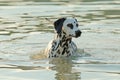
64 68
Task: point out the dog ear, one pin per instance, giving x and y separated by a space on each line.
58 24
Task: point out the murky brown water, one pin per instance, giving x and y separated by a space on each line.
24 32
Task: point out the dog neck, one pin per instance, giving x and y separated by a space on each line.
63 38
64 44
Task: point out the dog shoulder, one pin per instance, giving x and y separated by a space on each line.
47 50
50 45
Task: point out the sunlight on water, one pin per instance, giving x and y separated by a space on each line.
24 32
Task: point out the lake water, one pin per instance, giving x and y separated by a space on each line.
24 32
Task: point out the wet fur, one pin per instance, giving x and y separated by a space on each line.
62 45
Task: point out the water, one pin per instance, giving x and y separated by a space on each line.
24 32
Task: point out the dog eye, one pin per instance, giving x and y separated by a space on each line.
70 25
77 25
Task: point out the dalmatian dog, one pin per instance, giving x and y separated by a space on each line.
62 45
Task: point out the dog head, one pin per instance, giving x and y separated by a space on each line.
69 26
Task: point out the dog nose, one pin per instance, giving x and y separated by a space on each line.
78 33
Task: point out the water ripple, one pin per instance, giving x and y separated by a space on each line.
24 31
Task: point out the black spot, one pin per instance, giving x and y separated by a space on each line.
63 38
63 51
65 44
56 47
53 48
68 55
55 43
69 41
58 51
55 56
64 32
77 25
70 25
60 35
68 52
60 43
51 52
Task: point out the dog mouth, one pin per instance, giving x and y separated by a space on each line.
76 35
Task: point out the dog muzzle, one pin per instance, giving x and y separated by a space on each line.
78 33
